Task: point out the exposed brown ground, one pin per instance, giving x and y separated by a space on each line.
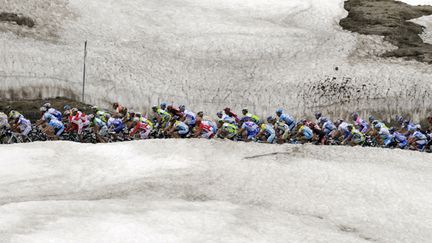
390 19
30 108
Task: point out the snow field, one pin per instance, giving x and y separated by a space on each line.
212 191
207 55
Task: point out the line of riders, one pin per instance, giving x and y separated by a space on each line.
168 121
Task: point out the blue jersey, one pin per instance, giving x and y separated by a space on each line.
328 127
56 124
289 120
190 118
57 114
116 123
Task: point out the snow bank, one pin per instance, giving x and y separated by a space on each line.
212 191
417 2
207 55
426 22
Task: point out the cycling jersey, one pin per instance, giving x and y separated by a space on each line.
57 125
251 128
385 135
230 129
362 125
116 124
207 129
24 125
181 127
328 127
343 127
254 118
289 120
79 121
4 123
190 118
400 139
57 114
143 128
269 132
306 132
357 136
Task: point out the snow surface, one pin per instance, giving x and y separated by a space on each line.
417 2
206 54
426 22
212 191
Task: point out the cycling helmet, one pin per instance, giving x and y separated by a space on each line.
138 114
66 107
279 111
107 116
43 109
154 108
163 105
318 115
418 127
182 108
350 127
91 116
115 105
47 105
372 118
392 130
269 119
12 113
376 124
74 110
200 114
324 120
136 119
95 108
245 111
354 115
227 109
66 113
219 114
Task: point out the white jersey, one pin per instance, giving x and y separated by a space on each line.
3 121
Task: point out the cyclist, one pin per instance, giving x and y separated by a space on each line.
355 137
360 124
254 118
229 113
162 117
78 122
267 132
188 117
249 130
141 128
289 120
99 127
227 130
226 118
204 129
177 129
4 122
399 139
56 126
418 140
23 124
304 133
282 130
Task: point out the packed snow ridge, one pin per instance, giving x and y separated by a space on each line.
212 191
207 55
